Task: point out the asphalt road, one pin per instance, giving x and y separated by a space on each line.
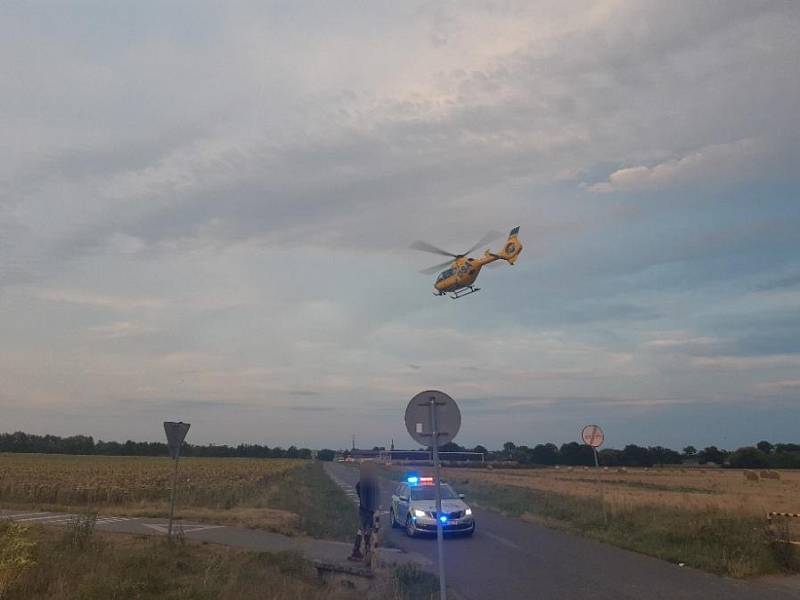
510 559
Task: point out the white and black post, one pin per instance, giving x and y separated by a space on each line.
176 433
437 474
593 436
433 419
172 495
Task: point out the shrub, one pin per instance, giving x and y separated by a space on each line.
413 583
16 554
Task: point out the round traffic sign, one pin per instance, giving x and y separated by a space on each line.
420 418
592 436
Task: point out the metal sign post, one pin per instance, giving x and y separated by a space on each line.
594 437
433 418
438 478
176 433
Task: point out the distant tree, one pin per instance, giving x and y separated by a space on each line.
609 457
508 449
544 454
787 448
451 447
765 447
637 456
664 456
522 454
574 453
712 454
690 452
749 458
480 449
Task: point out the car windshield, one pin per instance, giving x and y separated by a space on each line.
428 492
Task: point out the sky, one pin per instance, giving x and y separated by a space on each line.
206 211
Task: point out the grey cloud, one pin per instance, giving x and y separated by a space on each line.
303 393
784 282
309 408
264 158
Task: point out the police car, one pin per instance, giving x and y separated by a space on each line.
414 508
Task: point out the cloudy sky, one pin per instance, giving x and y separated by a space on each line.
205 214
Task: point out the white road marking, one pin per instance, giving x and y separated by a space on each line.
60 521
112 520
44 518
60 518
18 515
186 529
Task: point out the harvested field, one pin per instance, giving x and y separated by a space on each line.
230 490
687 488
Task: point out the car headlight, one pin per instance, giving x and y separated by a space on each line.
468 512
419 513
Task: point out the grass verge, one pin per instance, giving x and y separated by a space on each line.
45 563
410 582
714 540
322 508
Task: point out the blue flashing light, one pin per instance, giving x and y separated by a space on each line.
443 519
413 479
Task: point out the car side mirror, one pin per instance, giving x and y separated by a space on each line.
461 496
403 498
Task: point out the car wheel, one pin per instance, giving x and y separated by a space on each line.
392 519
411 531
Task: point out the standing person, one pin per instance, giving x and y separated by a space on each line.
368 500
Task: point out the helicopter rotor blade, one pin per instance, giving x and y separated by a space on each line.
426 247
436 268
489 237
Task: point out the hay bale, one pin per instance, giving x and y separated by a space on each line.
751 476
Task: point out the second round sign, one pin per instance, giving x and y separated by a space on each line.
592 436
420 417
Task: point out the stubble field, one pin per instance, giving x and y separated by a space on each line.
686 488
249 492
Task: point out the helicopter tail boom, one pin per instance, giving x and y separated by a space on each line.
511 249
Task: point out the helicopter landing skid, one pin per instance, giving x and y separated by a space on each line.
464 292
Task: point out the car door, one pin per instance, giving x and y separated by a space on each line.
401 510
396 499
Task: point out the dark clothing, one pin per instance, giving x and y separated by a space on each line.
365 519
368 499
367 496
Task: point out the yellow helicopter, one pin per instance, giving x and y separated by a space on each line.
457 280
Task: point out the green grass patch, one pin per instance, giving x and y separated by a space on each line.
46 563
413 583
323 509
713 540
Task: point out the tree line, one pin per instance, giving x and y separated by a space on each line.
83 444
763 455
